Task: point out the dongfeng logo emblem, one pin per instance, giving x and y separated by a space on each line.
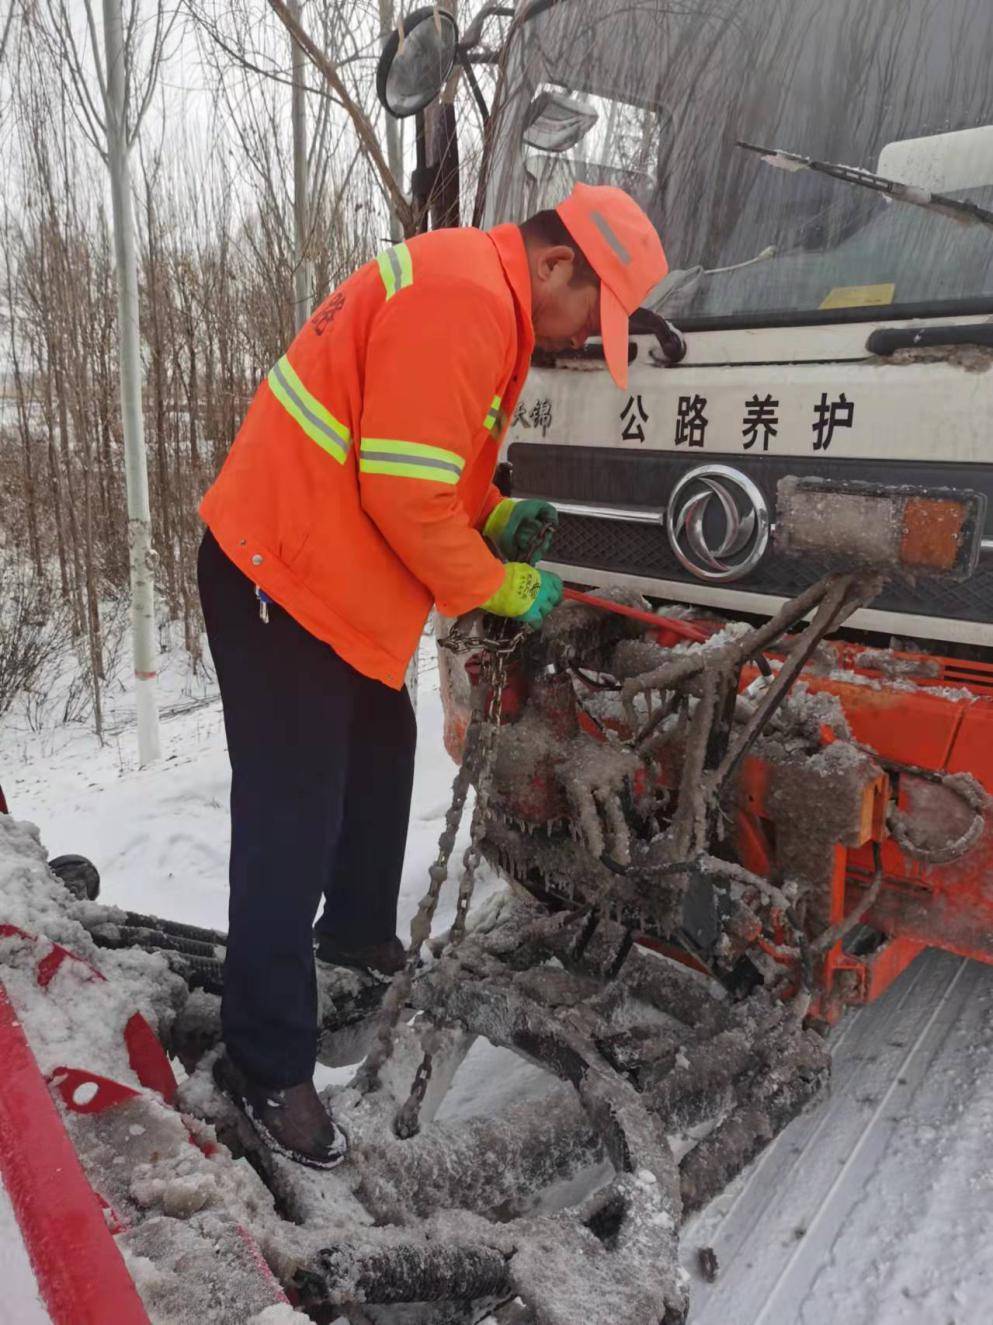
718 523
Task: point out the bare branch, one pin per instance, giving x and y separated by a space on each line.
95 47
241 59
128 53
8 24
58 37
366 134
163 30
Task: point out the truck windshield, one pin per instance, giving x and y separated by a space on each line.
652 95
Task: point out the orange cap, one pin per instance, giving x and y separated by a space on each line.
623 248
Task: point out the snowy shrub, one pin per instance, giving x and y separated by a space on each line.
74 689
33 628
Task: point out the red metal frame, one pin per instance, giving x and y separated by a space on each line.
919 906
939 906
55 1205
147 1058
81 1274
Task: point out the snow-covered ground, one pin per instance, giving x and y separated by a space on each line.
874 1208
160 836
19 1300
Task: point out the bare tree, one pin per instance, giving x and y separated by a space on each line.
364 130
216 254
111 113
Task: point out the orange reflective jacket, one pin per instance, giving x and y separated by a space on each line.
357 485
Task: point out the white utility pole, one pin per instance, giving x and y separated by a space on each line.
303 274
142 557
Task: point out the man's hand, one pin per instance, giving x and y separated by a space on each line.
522 530
526 594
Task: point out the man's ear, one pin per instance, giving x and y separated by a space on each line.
556 263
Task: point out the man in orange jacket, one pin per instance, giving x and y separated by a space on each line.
357 494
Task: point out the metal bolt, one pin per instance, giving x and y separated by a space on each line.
257 559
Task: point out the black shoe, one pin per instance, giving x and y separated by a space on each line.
380 960
292 1121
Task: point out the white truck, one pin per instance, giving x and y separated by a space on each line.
836 326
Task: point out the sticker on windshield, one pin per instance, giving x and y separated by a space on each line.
860 296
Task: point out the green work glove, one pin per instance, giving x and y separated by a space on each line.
526 594
514 526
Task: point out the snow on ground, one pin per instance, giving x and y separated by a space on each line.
874 1208
19 1300
160 836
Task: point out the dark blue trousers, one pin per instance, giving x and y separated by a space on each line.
322 765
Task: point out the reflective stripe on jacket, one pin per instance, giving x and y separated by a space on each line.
358 483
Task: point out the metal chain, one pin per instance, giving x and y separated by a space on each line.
476 767
407 1122
488 733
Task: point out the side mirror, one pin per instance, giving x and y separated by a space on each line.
412 70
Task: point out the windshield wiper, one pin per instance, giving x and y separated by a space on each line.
966 213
